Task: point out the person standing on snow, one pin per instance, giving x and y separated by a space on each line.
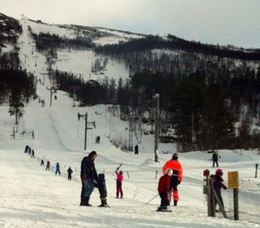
164 190
42 162
218 185
136 149
48 165
175 165
70 171
89 177
215 159
32 155
57 168
101 184
119 180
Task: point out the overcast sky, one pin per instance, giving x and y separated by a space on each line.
234 22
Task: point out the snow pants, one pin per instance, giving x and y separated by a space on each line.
165 199
215 163
119 190
175 194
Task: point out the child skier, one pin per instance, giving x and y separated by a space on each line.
48 165
164 190
70 171
101 184
42 162
119 179
57 168
218 185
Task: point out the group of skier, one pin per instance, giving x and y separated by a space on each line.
29 151
173 176
168 183
57 168
167 186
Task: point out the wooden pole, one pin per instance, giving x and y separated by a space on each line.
256 169
236 205
86 130
208 194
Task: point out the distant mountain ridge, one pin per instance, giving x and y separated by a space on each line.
101 36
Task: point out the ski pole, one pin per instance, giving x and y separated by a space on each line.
151 199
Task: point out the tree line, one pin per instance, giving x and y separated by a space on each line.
150 42
52 41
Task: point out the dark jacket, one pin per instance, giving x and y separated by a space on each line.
88 170
70 171
218 184
214 157
101 184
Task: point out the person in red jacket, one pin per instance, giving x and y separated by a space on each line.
175 165
164 190
119 179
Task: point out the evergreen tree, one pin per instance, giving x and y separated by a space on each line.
16 106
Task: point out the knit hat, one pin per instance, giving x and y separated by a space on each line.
175 156
219 172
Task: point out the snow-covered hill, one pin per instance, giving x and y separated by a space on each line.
33 197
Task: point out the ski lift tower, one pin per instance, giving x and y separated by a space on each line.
156 133
131 132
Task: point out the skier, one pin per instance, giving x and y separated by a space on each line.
42 163
214 159
26 149
57 168
32 156
98 139
218 185
174 164
136 149
101 184
70 171
88 176
29 150
119 179
48 165
164 190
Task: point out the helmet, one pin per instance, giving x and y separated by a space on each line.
168 172
219 172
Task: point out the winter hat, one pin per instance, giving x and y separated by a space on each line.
175 156
121 172
169 172
219 172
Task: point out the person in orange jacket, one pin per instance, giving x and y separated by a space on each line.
177 168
